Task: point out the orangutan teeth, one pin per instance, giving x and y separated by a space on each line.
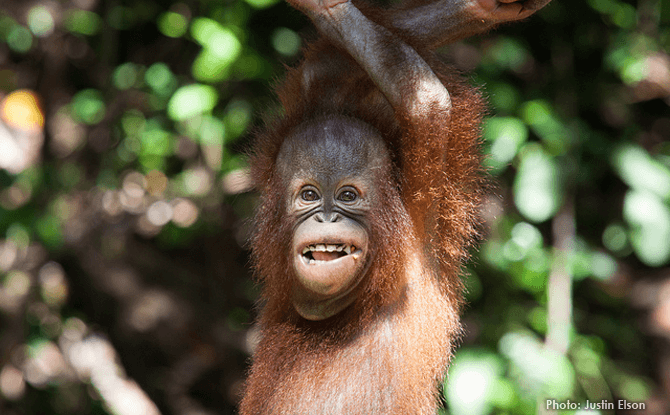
343 248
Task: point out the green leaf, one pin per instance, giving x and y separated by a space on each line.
192 100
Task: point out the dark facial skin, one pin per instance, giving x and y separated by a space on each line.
330 167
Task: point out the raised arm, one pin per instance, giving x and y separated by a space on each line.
399 72
446 21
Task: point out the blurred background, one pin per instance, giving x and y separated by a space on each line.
125 205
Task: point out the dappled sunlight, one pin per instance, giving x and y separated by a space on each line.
650 220
475 382
45 363
21 110
184 212
541 371
197 181
94 360
67 135
159 213
12 383
126 205
53 284
153 307
14 290
21 130
536 188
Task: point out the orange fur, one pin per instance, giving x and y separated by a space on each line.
386 353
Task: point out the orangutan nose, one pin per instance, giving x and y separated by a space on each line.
327 217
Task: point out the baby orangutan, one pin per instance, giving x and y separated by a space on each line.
370 188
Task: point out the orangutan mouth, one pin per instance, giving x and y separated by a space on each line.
326 252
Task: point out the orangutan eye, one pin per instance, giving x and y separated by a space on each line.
347 196
309 195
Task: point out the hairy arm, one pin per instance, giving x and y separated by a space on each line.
399 72
405 79
437 23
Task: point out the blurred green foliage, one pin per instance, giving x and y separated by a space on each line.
110 201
